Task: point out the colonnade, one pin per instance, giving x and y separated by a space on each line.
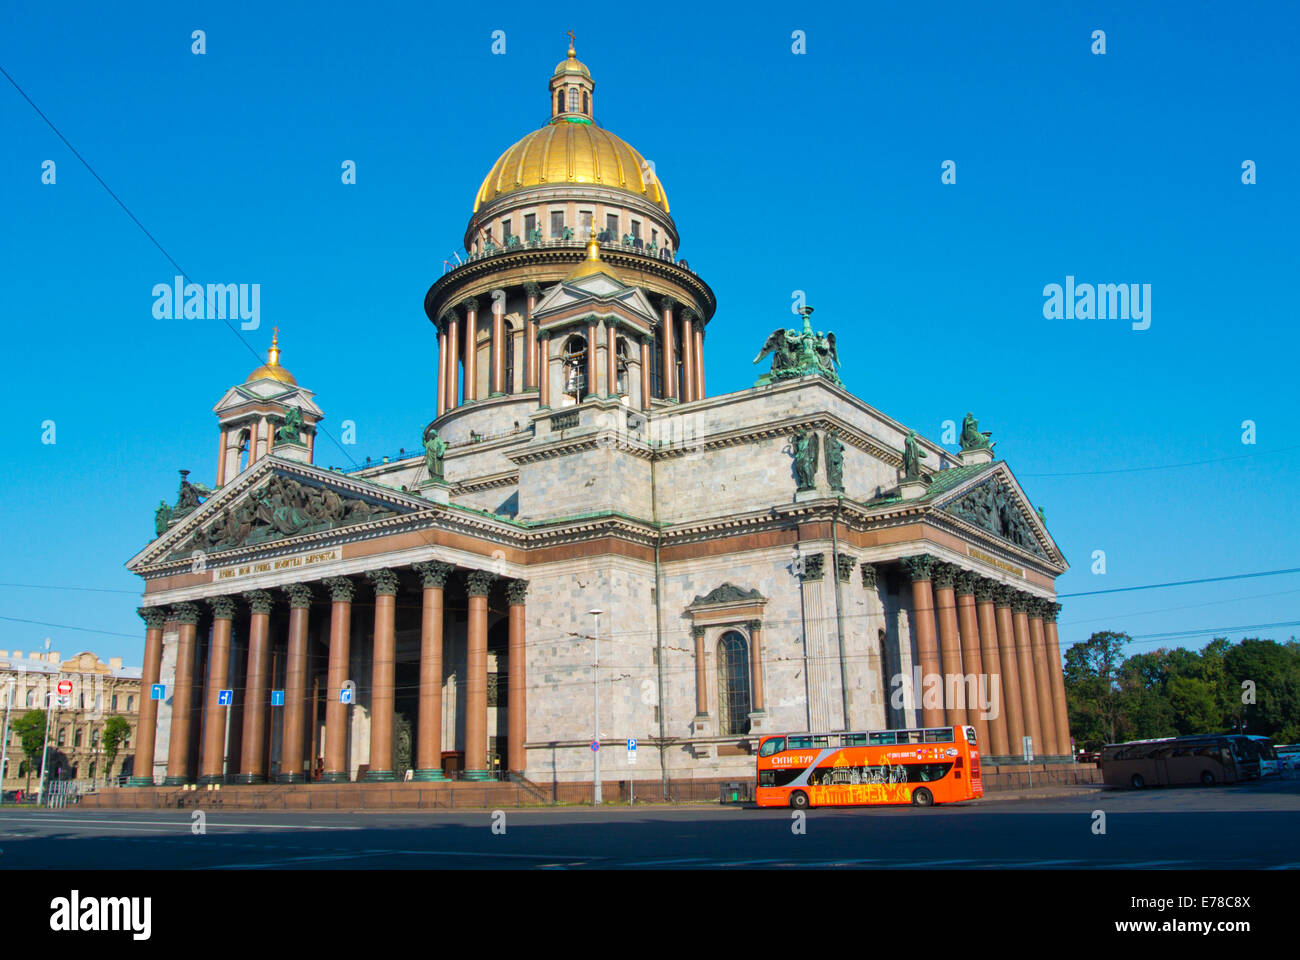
968 625
183 619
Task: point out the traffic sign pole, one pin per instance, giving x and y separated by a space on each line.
4 744
45 750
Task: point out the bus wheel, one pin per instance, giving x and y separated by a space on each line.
1136 781
1207 778
799 800
922 797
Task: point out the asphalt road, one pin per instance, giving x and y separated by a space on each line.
1248 826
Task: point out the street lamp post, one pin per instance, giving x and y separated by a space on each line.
595 636
45 750
4 744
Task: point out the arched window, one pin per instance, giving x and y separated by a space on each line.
585 108
573 99
575 366
76 740
621 357
559 101
734 700
130 702
31 696
63 736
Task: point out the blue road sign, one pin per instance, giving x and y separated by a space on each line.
345 695
595 745
631 744
225 698
277 698
158 691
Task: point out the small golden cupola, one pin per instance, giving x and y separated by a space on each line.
573 92
272 369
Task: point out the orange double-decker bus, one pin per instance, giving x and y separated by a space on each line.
921 767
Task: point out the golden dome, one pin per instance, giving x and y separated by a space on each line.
571 150
271 370
593 265
571 64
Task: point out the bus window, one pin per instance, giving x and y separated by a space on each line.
941 735
853 740
887 737
775 745
970 734
909 736
800 743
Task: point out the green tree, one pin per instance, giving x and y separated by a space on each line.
30 728
1193 704
1093 695
116 730
1258 671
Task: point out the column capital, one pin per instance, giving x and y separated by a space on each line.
185 613
341 589
811 567
868 576
223 608
697 632
964 580
153 617
1003 594
479 582
532 288
1019 601
844 565
433 573
667 303
1036 605
753 626
469 305
918 567
259 601
943 574
984 589
449 316
385 581
516 591
689 315
299 594
1051 610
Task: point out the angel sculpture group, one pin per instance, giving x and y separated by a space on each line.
801 353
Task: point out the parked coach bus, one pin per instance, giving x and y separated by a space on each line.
1250 755
921 767
1174 760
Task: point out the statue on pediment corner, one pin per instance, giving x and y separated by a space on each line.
161 517
912 457
971 436
434 449
291 430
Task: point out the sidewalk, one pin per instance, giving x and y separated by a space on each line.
1050 792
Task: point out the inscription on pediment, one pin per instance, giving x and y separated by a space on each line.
280 508
996 508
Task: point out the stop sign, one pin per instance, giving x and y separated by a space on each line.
65 687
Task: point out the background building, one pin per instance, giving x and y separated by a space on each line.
99 691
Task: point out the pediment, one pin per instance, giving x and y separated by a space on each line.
265 391
275 500
727 593
598 294
994 502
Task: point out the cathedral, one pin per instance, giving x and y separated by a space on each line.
582 530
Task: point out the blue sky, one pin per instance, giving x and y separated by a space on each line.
817 172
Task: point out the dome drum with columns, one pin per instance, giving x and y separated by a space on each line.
777 558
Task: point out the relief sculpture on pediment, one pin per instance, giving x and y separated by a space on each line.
996 509
282 507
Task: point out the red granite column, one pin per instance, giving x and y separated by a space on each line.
923 625
1010 670
293 769
1025 669
945 602
428 737
611 357
544 374
337 712
688 355
972 662
699 360
516 687
497 353
213 756
530 337
666 337
471 349
146 727
178 747
756 666
452 320
383 674
442 370
593 388
1060 711
995 688
257 686
645 372
701 691
1042 679
478 583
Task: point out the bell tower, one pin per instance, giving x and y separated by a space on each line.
573 92
267 414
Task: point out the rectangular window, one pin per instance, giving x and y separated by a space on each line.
530 224
636 229
886 737
584 225
557 223
611 224
505 231
940 735
654 237
115 703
